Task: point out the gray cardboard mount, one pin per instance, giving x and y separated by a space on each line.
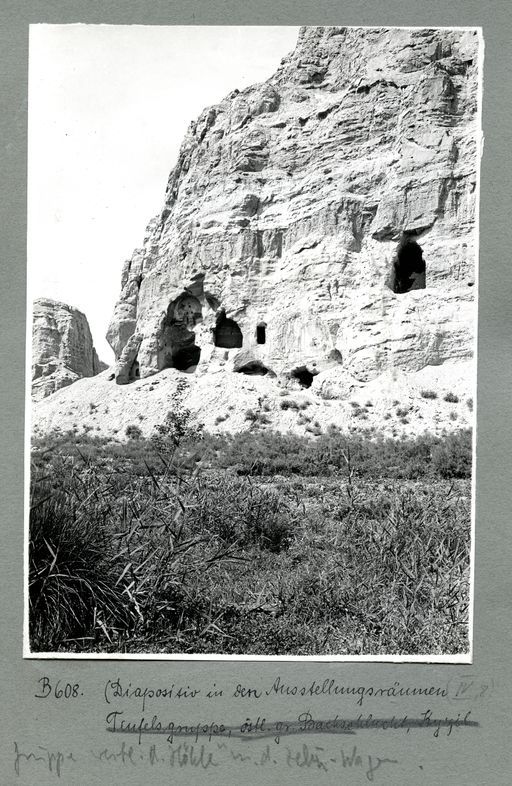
47 740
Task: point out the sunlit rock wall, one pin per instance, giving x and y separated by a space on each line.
322 221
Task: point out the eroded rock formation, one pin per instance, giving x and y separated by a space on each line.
322 220
62 348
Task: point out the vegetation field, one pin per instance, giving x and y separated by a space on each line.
255 543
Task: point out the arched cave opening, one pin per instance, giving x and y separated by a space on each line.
134 372
177 347
303 376
261 333
409 267
227 334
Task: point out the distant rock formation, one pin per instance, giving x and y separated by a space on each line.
62 348
319 226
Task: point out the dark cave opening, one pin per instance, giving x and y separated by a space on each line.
177 338
303 376
261 333
227 334
409 267
186 358
134 372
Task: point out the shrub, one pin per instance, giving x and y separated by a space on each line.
179 425
452 456
289 404
428 394
133 432
451 398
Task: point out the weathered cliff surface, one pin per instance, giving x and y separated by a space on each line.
320 224
62 348
314 261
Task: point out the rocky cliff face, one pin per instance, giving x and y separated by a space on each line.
321 225
317 243
62 348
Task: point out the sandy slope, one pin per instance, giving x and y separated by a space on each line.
391 404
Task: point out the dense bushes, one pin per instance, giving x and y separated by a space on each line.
266 453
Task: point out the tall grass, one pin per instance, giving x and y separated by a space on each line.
74 593
204 547
114 555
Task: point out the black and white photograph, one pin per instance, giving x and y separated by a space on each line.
252 293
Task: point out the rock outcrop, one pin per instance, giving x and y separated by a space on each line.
62 348
320 226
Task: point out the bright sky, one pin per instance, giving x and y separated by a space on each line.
108 109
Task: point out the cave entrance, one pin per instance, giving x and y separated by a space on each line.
303 376
409 267
227 334
186 358
134 372
261 333
177 347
